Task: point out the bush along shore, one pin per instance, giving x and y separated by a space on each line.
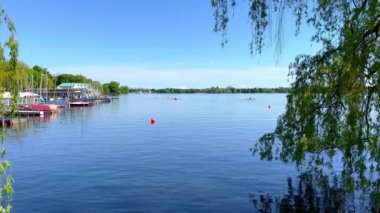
211 90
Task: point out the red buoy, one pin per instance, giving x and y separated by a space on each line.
152 121
269 107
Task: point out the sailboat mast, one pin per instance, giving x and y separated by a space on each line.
55 86
46 84
21 89
41 85
31 89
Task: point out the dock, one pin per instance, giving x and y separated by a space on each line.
29 113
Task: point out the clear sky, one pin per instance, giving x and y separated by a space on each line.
149 43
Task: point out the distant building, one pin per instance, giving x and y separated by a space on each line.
74 86
70 90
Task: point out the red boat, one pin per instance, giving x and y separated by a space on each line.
46 108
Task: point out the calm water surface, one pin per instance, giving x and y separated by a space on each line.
108 158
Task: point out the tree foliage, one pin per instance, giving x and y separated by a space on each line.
124 89
97 85
69 78
10 46
333 105
41 77
114 88
22 76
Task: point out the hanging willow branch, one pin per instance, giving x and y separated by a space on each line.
10 46
334 103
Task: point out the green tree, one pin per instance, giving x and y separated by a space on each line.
98 86
333 105
23 73
124 90
69 78
42 75
113 87
106 89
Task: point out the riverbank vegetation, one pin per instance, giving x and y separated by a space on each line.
211 90
114 88
39 77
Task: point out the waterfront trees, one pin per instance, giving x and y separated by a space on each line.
124 89
41 78
98 86
213 90
114 88
333 104
22 75
69 78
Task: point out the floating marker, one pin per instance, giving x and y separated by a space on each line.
269 107
152 121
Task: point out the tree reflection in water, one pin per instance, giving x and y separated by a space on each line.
316 193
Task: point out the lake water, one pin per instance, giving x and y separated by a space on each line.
109 158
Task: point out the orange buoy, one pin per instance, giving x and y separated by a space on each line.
152 121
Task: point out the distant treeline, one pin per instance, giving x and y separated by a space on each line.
212 90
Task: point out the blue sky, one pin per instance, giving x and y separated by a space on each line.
149 43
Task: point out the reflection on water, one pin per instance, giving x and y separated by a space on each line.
25 126
23 123
316 193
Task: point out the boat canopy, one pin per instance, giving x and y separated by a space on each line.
7 95
74 86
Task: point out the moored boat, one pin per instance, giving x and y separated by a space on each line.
28 112
106 100
46 108
59 102
80 103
